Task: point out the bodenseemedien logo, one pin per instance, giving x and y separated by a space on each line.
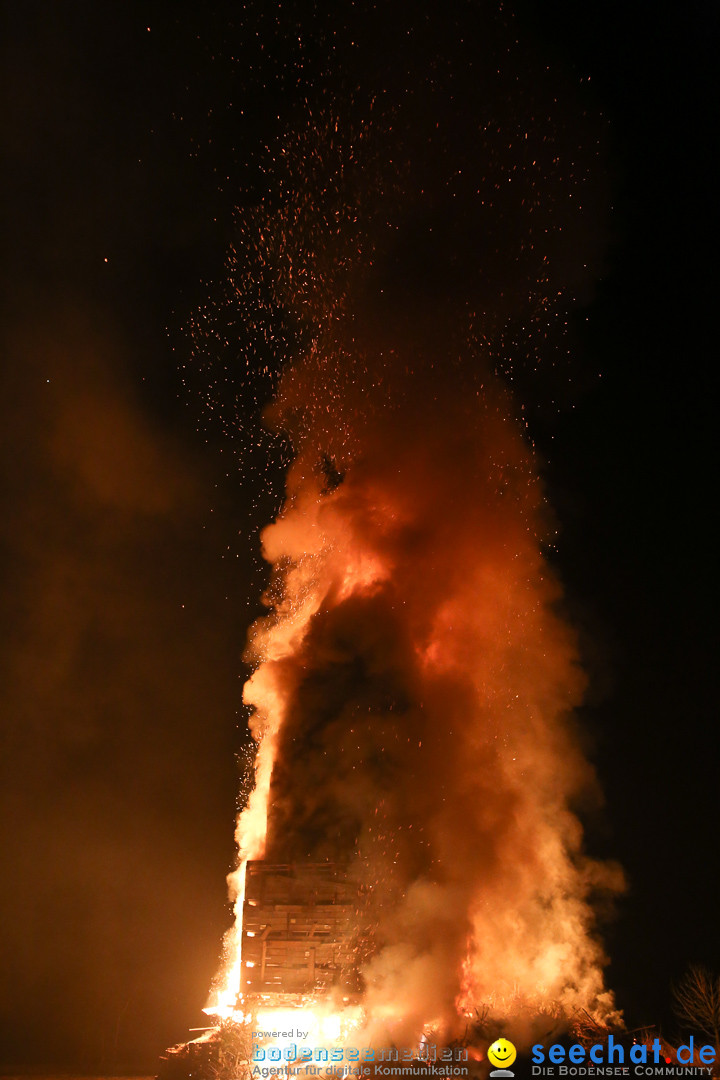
501 1054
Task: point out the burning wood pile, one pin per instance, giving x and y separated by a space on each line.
299 929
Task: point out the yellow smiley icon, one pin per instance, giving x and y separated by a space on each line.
502 1053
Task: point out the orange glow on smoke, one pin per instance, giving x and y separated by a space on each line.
413 682
479 879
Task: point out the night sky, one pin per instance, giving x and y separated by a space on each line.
130 566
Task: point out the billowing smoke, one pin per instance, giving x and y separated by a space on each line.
416 685
414 682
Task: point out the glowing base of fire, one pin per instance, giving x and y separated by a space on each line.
311 1022
313 1026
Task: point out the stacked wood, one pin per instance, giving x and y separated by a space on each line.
299 927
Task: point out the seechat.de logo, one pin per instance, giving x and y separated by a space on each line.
501 1054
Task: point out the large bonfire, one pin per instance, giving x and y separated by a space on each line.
413 681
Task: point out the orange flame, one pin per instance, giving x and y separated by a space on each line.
413 682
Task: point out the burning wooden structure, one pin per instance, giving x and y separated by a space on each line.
299 928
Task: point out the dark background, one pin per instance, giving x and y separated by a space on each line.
129 558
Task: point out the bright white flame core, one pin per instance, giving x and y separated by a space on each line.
305 1026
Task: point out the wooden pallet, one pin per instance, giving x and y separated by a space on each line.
299 927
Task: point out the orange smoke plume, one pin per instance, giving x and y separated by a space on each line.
412 706
413 683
